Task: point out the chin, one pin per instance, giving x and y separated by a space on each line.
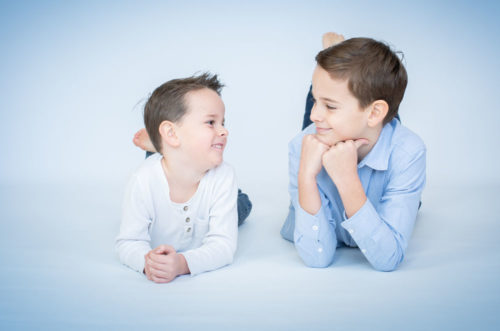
326 141
217 162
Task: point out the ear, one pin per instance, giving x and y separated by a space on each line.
377 112
167 133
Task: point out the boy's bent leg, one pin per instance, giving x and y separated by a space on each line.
307 114
244 207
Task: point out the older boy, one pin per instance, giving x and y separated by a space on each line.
356 174
179 211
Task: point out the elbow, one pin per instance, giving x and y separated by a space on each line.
389 264
317 260
228 252
318 264
119 249
385 268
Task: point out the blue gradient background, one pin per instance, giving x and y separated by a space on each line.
73 79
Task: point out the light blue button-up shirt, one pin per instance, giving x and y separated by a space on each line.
393 177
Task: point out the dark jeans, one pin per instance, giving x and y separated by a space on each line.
244 203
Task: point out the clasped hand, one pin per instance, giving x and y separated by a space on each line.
163 264
340 160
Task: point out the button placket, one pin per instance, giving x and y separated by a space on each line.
188 228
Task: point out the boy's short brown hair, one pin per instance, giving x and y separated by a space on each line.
168 102
373 70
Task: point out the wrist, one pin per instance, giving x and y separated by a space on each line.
353 197
182 265
306 178
347 181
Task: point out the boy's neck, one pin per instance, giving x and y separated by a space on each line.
182 180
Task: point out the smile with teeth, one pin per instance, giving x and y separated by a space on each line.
218 146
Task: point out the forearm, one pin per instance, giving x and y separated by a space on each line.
352 195
314 234
309 198
210 256
131 253
383 246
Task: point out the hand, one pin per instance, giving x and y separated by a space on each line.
310 157
341 160
163 264
310 166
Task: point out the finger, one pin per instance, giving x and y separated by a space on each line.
160 280
160 250
164 249
319 142
158 273
159 259
155 265
148 273
360 142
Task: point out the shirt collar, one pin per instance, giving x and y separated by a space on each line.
378 157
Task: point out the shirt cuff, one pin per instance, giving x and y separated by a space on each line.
138 262
362 226
194 266
309 225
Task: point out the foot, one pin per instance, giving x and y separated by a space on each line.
141 140
332 38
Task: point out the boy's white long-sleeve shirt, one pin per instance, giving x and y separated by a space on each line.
204 229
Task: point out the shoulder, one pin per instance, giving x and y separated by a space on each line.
406 145
147 171
406 141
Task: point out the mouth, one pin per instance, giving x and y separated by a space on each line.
218 146
322 130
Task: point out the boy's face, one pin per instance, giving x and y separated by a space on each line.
336 112
201 130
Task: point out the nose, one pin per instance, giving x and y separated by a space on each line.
315 114
223 132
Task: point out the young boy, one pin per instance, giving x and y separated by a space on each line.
356 174
179 212
141 139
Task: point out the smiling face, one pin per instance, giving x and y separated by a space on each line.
336 112
201 130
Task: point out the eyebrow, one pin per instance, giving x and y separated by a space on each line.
330 100
325 99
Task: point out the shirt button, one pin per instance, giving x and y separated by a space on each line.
351 231
315 227
185 208
187 220
188 229
320 250
363 251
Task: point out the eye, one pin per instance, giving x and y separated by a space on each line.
330 107
211 122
